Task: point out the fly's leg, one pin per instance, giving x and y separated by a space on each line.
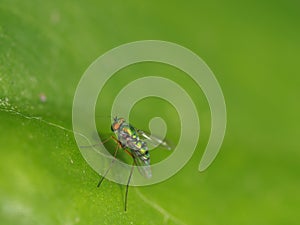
114 159
103 142
115 154
129 153
127 186
112 162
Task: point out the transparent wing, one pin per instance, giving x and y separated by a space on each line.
143 167
153 140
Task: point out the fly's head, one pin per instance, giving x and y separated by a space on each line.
117 123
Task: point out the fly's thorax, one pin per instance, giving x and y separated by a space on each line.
129 130
127 135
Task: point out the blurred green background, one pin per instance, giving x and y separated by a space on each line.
251 46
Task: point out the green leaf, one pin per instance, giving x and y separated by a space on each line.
45 47
44 178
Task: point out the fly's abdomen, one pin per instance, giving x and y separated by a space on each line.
142 151
127 135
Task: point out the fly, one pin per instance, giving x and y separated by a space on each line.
134 142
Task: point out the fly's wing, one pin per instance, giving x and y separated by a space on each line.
143 167
153 140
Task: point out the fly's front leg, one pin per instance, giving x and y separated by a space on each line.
103 142
113 160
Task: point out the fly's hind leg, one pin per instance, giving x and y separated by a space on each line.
127 186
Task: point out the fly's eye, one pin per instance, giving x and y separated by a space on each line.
115 126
